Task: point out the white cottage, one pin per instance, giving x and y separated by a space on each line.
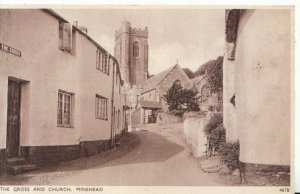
60 90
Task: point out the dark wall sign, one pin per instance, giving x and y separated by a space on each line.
10 50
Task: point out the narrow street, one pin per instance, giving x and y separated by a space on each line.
153 156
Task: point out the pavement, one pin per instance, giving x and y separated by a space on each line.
153 156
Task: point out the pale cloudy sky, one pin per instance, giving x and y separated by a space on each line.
193 36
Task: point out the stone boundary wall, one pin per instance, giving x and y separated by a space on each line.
166 118
193 129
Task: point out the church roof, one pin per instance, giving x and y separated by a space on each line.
197 80
154 81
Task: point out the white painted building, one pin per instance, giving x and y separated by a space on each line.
257 84
60 90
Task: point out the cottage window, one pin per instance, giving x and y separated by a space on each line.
102 62
101 107
64 109
65 36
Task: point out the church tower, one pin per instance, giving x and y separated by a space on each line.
131 51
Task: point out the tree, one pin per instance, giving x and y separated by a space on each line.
215 75
214 70
180 99
189 73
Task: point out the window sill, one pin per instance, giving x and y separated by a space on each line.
64 126
68 52
103 72
102 119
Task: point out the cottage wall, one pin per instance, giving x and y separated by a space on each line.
229 111
45 69
263 86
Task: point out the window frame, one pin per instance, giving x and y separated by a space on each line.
102 61
65 37
63 108
101 112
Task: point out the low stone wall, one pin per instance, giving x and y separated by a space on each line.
193 128
166 118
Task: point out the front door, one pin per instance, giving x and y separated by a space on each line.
13 118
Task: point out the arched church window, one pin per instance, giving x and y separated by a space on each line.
136 49
205 93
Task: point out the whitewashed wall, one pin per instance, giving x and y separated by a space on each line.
48 69
193 128
263 86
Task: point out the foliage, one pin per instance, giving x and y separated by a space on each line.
202 69
180 99
215 75
217 137
213 123
230 155
214 71
215 131
189 73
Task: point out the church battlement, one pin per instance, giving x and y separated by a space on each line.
131 50
139 31
126 28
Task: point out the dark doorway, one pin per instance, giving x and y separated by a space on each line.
13 118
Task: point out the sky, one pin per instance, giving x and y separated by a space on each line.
192 36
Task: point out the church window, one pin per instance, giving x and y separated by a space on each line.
205 93
136 49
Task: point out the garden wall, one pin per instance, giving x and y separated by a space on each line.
193 128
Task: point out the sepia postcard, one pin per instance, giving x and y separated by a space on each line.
147 99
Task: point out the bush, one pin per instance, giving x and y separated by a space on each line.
211 108
230 152
215 132
220 107
217 137
181 100
213 123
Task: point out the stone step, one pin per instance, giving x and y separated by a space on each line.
15 161
17 169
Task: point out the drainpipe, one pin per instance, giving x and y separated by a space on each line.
112 143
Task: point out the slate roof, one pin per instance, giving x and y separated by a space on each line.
196 80
154 81
150 104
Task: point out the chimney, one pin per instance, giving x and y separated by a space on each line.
82 28
75 23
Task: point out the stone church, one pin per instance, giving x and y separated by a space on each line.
143 93
131 51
